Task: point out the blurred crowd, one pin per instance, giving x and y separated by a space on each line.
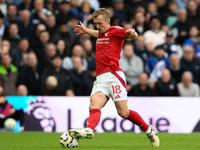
41 55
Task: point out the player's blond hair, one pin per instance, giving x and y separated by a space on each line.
101 11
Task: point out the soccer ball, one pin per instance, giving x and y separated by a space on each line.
10 124
66 141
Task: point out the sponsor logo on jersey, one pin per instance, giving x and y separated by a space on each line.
102 40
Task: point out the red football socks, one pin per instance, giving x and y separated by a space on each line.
94 118
135 118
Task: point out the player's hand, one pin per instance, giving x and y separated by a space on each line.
80 29
131 34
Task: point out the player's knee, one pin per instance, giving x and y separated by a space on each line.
123 114
92 106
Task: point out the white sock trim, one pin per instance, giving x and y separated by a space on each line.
148 130
89 129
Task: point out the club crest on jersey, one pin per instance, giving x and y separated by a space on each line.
106 34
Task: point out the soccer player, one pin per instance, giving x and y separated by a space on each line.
110 79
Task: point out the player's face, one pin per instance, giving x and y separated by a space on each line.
101 24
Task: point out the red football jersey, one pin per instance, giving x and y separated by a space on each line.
108 50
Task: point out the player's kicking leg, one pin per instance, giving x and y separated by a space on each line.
98 100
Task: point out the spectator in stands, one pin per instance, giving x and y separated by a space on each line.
74 7
151 11
79 39
63 34
171 16
192 40
2 26
29 75
26 4
142 88
197 47
192 12
22 90
181 4
3 7
13 36
35 39
127 26
189 63
141 26
50 52
131 64
21 52
140 49
187 87
85 15
166 86
64 12
71 25
44 37
64 86
119 11
51 25
131 7
8 75
26 27
51 84
198 4
170 46
162 8
155 36
175 68
12 16
88 52
39 13
1 89
5 48
94 3
91 77
51 5
8 111
114 21
78 77
164 27
39 49
181 27
141 9
61 49
153 60
68 61
157 71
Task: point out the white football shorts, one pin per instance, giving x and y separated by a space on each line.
112 84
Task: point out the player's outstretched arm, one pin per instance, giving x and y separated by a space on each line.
131 34
81 29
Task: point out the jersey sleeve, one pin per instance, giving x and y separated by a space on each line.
119 31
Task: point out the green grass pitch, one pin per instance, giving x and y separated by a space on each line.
101 141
